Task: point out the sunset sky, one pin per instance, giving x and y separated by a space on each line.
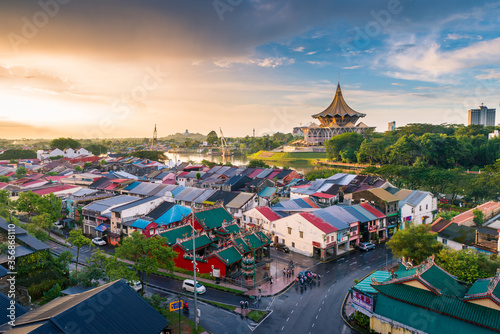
109 68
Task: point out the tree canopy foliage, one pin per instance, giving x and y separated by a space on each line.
257 164
18 154
150 155
467 264
212 138
62 143
442 146
415 242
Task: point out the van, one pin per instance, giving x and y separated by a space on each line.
188 285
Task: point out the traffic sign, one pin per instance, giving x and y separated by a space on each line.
174 306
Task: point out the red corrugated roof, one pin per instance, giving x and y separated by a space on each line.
54 189
318 222
255 173
372 210
310 202
111 186
323 195
268 213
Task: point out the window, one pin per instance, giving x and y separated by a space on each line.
426 206
445 241
244 217
250 219
289 230
420 208
293 244
301 234
274 225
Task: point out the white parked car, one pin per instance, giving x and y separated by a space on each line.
136 285
98 241
188 285
58 225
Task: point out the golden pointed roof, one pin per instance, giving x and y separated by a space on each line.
338 107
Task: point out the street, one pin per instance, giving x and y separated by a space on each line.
313 309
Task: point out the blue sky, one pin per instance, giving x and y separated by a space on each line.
115 68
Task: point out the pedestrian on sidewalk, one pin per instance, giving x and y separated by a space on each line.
271 281
260 290
284 272
293 274
241 304
246 304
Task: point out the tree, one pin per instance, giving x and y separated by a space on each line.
6 205
212 138
21 171
198 176
257 164
96 149
344 146
416 242
207 163
468 265
50 204
63 143
42 222
478 217
27 202
148 255
78 168
77 239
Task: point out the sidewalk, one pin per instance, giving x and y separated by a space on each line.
280 283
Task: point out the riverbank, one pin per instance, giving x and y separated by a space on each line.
290 159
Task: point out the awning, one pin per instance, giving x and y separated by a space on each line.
392 214
67 220
391 226
102 227
102 218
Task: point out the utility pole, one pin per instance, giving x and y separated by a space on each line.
194 273
179 311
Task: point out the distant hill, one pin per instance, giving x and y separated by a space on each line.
181 137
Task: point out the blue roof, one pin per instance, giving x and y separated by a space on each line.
132 185
359 216
141 223
177 190
365 212
174 214
102 227
365 284
330 219
267 192
134 203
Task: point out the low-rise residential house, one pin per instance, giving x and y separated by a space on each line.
187 196
123 216
266 196
84 312
83 179
241 203
235 183
417 207
145 226
489 209
258 184
81 198
97 215
381 223
294 206
66 153
262 216
209 219
383 201
306 233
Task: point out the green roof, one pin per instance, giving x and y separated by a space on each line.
496 291
254 241
424 320
177 233
233 228
479 286
402 272
242 245
365 285
211 219
200 241
448 284
423 299
230 255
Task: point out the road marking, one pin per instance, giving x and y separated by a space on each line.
296 304
366 268
341 259
326 296
329 289
353 263
327 271
287 318
301 297
282 327
313 324
319 309
322 302
292 311
316 317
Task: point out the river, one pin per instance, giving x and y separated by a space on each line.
239 160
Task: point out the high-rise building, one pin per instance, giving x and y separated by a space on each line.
391 126
482 116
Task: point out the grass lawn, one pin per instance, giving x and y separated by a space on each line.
256 315
187 326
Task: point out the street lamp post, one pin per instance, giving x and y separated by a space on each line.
194 273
